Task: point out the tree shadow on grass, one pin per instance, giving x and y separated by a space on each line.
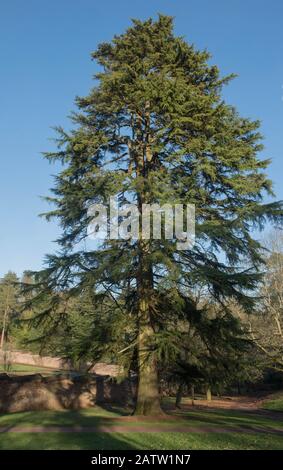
100 440
96 439
248 420
90 423
64 441
67 418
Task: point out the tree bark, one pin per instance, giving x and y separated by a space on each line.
208 394
148 398
4 325
193 394
2 338
179 395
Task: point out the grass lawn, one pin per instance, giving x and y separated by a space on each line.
274 402
254 431
147 441
26 369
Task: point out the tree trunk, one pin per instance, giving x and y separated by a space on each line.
193 394
148 398
2 338
239 388
5 319
4 329
179 395
208 394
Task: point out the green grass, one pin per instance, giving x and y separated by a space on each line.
274 402
260 438
26 369
148 441
97 416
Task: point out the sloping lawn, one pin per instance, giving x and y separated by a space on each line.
147 441
221 429
98 416
274 402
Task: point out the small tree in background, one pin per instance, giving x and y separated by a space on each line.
9 305
266 328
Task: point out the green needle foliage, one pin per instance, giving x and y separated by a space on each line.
155 129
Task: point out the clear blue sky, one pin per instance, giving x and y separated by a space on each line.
45 50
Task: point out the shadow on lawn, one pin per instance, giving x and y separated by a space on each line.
121 441
65 441
249 420
62 439
64 418
212 422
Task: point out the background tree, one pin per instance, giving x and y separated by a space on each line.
9 304
266 328
213 349
155 129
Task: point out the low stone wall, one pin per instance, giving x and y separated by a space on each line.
34 392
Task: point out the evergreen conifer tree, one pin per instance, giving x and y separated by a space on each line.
155 129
